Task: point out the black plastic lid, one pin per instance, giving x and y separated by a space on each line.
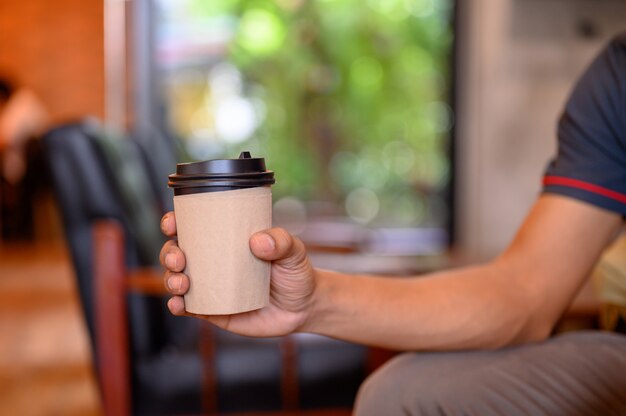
220 175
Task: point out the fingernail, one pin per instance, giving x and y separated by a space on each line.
171 261
165 222
175 283
266 242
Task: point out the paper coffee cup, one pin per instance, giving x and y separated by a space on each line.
219 204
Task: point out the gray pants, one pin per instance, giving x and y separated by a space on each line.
578 373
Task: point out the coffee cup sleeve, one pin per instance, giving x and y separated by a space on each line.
214 229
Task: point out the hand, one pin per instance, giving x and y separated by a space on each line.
292 284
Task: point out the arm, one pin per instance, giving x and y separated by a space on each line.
519 296
516 298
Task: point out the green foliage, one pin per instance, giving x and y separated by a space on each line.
353 77
354 93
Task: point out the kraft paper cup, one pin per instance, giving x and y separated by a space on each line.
215 219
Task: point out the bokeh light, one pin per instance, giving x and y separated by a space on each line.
398 157
235 119
260 32
366 74
291 214
346 99
362 205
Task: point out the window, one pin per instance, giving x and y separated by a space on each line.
347 100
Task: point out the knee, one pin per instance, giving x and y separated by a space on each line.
379 393
413 384
404 386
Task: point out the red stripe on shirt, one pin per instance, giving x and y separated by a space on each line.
585 186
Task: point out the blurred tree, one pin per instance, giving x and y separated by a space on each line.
354 95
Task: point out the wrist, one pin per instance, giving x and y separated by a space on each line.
320 301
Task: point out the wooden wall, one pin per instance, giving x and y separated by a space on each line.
55 47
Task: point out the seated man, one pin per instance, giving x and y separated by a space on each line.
479 336
22 172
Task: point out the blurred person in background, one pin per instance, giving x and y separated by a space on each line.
22 120
483 331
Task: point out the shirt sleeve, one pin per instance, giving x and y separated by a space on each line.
591 161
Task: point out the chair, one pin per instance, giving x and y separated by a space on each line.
147 361
112 283
86 191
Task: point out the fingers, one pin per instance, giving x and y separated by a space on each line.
176 283
276 244
176 305
168 224
172 257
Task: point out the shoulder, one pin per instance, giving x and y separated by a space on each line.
596 109
604 82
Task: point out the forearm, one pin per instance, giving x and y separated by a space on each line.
516 298
467 308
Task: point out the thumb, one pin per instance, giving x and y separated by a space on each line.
277 245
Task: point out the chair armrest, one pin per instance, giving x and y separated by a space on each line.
146 281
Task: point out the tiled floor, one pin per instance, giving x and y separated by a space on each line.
44 352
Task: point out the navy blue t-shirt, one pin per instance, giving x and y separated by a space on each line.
591 160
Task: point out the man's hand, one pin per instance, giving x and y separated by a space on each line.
292 283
